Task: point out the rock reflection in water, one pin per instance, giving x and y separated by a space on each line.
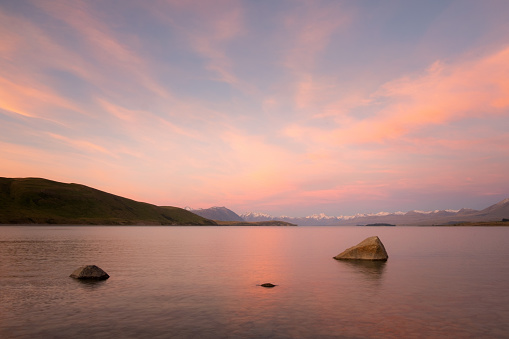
370 270
89 284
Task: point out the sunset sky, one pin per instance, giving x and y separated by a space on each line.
281 107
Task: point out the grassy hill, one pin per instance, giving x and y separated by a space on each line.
41 201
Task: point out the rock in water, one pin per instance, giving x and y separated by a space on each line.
89 272
369 249
268 285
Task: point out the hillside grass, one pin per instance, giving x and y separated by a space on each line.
42 201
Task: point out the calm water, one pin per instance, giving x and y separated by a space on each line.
200 282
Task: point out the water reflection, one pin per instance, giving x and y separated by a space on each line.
89 284
369 270
190 282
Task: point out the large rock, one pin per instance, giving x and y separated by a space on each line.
369 249
89 272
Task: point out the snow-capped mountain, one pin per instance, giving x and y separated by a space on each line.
495 212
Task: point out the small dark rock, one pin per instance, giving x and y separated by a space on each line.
89 272
268 285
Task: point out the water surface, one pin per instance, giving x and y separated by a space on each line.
187 282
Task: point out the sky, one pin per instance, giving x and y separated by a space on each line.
281 107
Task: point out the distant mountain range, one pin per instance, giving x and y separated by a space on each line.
496 212
218 213
226 217
42 201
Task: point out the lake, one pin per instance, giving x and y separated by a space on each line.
201 282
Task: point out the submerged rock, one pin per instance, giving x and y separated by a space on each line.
267 285
369 249
89 272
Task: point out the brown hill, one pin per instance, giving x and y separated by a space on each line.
42 201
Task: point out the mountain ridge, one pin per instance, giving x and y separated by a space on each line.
493 213
217 213
43 201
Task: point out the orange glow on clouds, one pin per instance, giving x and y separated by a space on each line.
443 94
294 108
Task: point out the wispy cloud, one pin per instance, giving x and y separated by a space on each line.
81 145
208 28
272 106
441 94
113 51
33 100
311 28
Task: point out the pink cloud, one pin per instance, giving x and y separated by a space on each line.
108 51
444 93
32 99
26 88
214 26
134 120
304 136
82 145
388 148
310 29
